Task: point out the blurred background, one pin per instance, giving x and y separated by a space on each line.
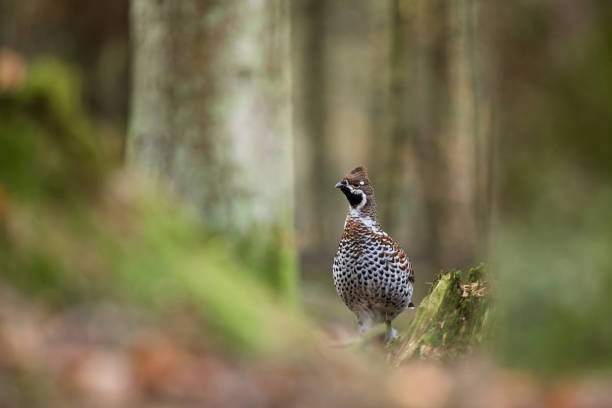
167 204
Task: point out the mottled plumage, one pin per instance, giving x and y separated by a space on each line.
372 274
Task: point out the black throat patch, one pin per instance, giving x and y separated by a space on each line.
354 198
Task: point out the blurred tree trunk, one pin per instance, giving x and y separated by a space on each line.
437 122
340 53
312 161
393 155
211 117
469 152
466 149
419 103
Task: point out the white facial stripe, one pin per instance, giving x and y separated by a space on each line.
361 183
356 211
363 200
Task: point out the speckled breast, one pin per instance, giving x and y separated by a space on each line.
371 271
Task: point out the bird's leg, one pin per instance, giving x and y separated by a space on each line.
391 333
363 326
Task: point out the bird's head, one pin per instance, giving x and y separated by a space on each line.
359 192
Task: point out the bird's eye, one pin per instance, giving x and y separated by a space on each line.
356 184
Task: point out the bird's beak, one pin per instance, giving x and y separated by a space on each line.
340 184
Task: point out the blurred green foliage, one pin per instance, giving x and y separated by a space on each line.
553 290
48 151
74 230
554 232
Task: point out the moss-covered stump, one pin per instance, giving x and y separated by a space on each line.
449 321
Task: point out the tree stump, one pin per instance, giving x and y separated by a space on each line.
450 321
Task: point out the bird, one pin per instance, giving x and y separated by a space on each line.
371 272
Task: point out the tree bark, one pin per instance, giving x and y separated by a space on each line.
310 126
439 131
340 54
450 321
211 117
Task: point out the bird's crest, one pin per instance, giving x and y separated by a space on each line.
358 178
358 173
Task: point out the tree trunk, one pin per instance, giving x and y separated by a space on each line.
450 321
392 155
312 160
211 117
340 59
439 132
458 227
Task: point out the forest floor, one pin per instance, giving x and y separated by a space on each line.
106 356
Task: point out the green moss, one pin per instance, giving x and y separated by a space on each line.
269 253
49 149
449 321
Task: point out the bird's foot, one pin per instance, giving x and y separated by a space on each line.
390 334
